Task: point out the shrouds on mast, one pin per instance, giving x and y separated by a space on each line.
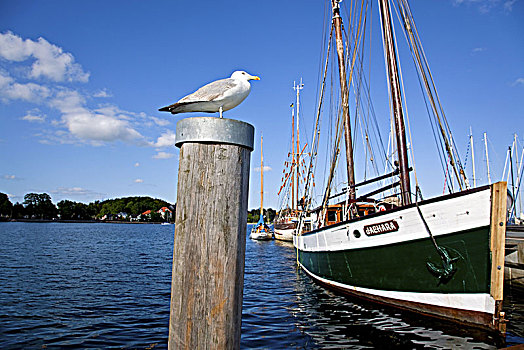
344 91
396 100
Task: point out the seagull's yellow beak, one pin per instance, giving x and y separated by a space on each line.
254 77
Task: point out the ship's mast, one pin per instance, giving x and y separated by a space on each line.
487 158
472 157
292 159
337 23
396 100
261 178
297 88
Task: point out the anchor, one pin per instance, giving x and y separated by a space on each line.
446 272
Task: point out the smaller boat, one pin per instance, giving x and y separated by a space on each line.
286 225
261 231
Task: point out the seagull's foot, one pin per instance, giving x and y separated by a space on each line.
220 111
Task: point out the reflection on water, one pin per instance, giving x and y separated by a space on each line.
108 286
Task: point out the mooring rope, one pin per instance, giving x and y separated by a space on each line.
447 271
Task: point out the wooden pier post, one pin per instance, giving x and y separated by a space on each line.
210 233
499 195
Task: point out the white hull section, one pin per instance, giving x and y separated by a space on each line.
284 235
474 302
260 236
443 217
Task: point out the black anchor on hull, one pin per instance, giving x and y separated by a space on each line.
446 272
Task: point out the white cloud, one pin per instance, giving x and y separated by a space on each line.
160 122
28 92
5 80
519 81
266 168
98 127
167 139
163 155
11 90
23 61
478 49
139 181
508 5
34 115
14 198
50 61
137 164
13 48
102 94
486 6
102 125
75 192
10 177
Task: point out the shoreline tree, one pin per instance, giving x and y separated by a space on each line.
6 207
39 206
254 215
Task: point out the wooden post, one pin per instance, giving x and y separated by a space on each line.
497 245
210 233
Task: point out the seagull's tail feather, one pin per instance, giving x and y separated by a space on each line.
174 108
182 107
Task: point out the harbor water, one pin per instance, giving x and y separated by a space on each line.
65 285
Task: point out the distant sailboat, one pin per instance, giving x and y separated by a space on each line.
261 231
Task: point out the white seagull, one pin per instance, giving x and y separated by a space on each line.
218 96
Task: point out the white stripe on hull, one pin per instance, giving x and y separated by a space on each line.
474 302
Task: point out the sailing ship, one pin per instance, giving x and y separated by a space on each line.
286 220
441 257
261 231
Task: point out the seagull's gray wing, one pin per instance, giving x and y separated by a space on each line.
211 91
198 100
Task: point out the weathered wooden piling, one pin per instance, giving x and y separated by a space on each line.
497 247
210 233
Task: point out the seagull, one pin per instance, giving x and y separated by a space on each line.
218 96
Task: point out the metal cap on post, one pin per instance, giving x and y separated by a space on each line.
210 233
215 130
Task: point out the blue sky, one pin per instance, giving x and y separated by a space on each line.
81 82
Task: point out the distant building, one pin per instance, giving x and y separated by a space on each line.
166 213
108 217
144 215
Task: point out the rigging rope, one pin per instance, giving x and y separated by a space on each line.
430 112
316 134
423 67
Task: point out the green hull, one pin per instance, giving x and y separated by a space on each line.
403 266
